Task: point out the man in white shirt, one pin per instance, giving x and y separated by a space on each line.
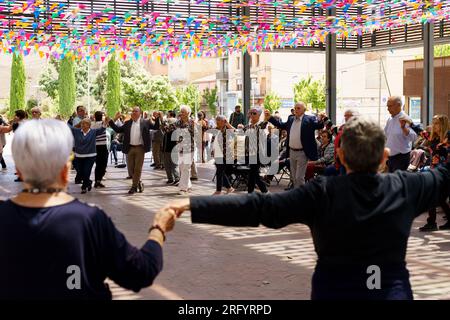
136 143
400 136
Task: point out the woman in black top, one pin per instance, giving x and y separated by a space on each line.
359 222
53 246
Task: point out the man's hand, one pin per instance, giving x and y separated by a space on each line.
322 116
178 207
165 218
267 115
117 116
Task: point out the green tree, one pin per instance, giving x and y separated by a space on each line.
189 95
272 102
66 86
113 93
161 95
17 89
134 80
210 97
49 79
311 92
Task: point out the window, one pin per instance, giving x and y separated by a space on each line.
238 85
257 60
238 63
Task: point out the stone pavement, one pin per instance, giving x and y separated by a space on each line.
213 262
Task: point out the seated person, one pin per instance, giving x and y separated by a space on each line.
326 156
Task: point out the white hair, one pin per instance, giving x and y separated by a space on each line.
186 108
221 117
41 149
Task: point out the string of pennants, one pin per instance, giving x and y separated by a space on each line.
67 28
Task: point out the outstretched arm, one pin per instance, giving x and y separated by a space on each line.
271 210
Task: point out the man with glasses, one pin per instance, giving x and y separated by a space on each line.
301 140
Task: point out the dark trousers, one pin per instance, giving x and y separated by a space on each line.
255 178
2 161
84 169
170 167
432 212
114 146
101 162
222 174
399 162
75 164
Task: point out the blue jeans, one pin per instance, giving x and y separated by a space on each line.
84 169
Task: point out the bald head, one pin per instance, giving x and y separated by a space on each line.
394 105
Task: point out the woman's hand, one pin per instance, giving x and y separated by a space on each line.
178 207
165 219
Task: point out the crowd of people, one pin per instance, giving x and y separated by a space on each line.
336 188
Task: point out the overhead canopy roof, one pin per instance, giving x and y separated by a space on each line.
171 28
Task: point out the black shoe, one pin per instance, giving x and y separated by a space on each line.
78 182
169 182
194 178
140 187
129 177
429 227
99 185
153 165
176 182
445 226
83 191
18 180
133 190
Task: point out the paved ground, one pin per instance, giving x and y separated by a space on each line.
211 262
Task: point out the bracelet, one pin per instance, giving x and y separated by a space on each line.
157 227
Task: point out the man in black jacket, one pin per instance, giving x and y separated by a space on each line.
136 143
359 222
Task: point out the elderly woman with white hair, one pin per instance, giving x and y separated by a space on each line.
85 151
186 146
223 152
53 246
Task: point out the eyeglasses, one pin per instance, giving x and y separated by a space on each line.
253 113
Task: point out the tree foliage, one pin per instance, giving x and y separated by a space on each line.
49 79
17 89
272 102
189 95
210 97
66 87
113 93
311 92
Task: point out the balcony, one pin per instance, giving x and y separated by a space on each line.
222 75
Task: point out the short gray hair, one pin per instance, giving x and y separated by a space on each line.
186 108
221 117
257 109
41 149
363 144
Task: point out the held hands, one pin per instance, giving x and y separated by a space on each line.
322 116
117 116
165 219
178 207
